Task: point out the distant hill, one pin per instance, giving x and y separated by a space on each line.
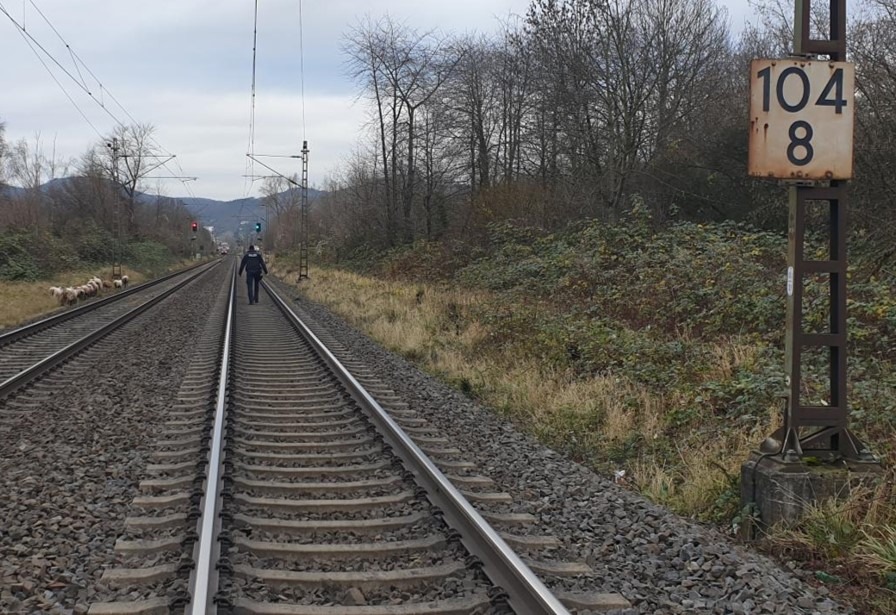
224 216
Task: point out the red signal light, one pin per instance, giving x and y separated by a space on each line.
195 227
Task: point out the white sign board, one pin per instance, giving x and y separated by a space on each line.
801 119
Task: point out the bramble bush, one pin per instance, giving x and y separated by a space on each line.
17 260
30 255
149 256
34 255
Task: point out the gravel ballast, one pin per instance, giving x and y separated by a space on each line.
71 453
660 562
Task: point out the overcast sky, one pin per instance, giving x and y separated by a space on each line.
185 67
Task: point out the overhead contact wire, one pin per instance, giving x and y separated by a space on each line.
76 60
61 87
302 66
250 167
81 83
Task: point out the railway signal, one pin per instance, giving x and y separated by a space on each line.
258 227
195 227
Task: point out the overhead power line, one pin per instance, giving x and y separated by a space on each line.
79 81
278 173
251 156
302 66
61 87
250 170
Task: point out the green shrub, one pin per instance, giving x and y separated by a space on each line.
17 257
149 256
95 245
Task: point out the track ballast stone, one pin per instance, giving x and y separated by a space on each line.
70 462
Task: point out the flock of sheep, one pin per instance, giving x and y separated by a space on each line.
70 295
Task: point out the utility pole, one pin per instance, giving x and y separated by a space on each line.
303 214
116 251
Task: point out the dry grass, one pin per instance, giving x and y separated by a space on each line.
433 326
877 549
865 522
700 477
22 301
729 356
851 542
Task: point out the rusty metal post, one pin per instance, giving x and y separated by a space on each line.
820 429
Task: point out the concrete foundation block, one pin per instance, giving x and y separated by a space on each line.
780 492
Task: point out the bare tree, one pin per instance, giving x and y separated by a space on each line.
872 40
402 70
583 109
30 167
128 155
3 148
283 197
348 213
623 77
366 47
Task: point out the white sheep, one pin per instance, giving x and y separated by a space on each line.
117 284
70 295
57 293
124 281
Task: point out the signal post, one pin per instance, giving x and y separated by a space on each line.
802 112
194 226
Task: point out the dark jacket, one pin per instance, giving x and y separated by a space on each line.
253 263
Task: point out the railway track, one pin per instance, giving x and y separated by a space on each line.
280 486
31 351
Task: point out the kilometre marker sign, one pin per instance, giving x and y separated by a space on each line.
801 119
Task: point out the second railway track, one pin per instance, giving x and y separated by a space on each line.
29 352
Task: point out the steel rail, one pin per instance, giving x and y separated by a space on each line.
204 578
525 591
40 325
24 377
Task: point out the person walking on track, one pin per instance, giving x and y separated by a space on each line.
254 265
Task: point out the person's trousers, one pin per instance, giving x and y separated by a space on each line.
252 281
